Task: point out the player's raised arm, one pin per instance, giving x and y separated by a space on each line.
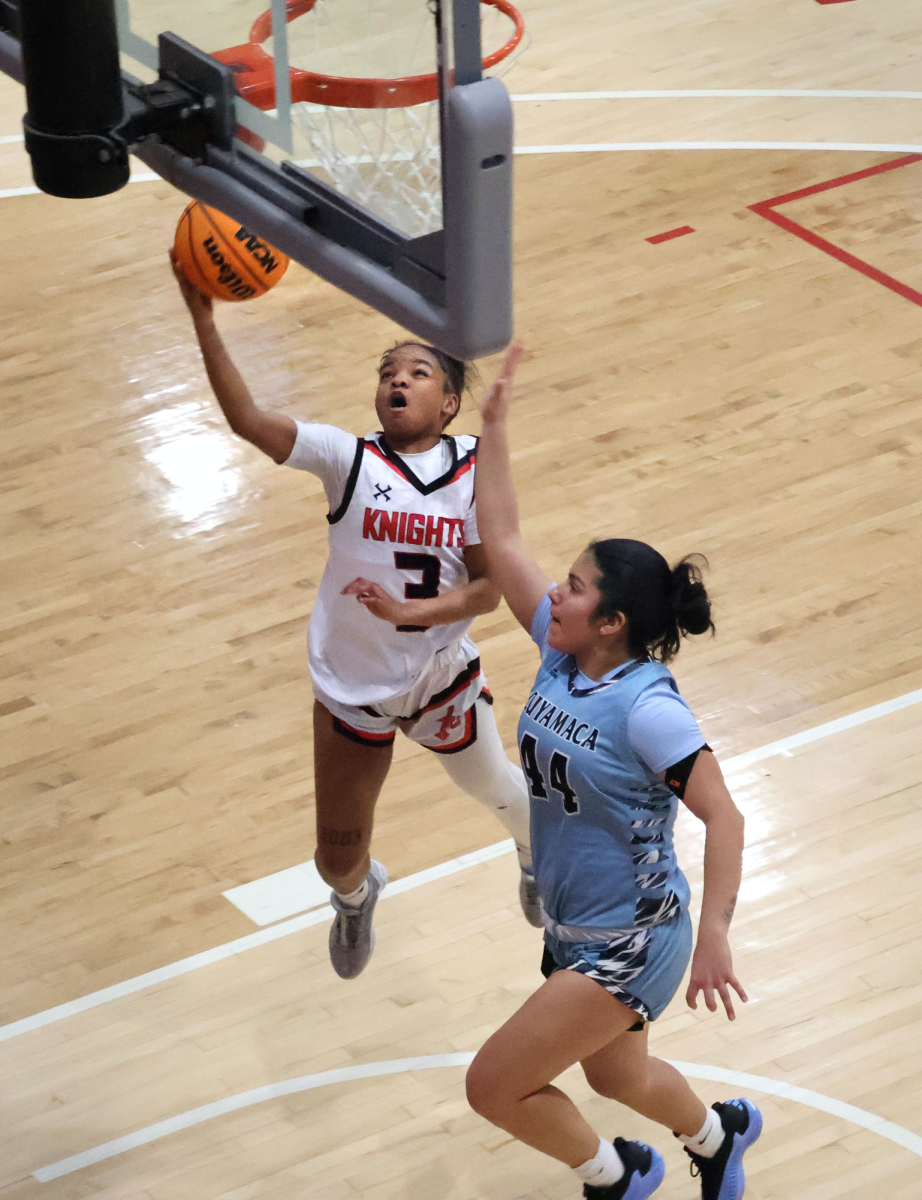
273 433
509 563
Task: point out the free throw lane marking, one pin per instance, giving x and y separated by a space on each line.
184 965
318 916
768 210
206 1112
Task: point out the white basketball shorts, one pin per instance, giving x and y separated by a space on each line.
437 712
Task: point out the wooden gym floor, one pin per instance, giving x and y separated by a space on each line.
738 391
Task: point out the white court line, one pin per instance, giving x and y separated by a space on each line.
184 965
839 725
675 94
286 893
679 94
139 177
682 94
614 147
737 93
772 1087
611 147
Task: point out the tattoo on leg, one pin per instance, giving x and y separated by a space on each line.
339 837
731 908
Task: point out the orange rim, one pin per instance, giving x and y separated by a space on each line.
341 92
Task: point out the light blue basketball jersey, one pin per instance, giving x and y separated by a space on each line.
601 820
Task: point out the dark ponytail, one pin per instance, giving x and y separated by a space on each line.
661 605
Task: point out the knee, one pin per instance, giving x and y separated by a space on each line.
484 1091
616 1086
338 859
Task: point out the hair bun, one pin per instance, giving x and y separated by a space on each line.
661 604
690 602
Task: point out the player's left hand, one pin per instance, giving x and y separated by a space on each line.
712 972
380 603
199 304
495 404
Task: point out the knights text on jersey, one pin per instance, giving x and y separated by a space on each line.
407 536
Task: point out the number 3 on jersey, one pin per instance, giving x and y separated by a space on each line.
431 570
558 775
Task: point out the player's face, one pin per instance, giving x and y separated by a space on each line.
411 401
574 627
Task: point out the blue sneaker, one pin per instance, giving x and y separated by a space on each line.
643 1173
722 1176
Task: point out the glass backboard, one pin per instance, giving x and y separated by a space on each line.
361 137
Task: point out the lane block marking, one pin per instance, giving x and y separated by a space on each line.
670 234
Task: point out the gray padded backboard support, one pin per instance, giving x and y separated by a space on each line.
452 287
474 316
10 56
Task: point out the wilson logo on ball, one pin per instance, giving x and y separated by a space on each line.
227 279
223 258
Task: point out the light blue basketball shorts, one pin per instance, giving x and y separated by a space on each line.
642 968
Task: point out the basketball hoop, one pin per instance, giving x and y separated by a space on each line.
255 70
376 138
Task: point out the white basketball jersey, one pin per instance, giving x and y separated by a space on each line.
407 536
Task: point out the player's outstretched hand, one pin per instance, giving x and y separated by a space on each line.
380 603
197 302
712 972
495 404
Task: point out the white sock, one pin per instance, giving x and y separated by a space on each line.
355 899
603 1170
709 1138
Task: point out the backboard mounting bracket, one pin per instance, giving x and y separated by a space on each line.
9 17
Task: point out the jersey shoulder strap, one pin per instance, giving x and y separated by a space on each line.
343 508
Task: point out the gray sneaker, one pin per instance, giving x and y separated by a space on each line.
352 938
529 899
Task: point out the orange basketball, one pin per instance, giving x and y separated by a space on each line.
223 258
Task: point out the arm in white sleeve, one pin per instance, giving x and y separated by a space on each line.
326 452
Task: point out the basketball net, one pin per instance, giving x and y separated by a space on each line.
365 110
387 159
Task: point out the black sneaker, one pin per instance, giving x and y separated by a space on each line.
643 1173
722 1176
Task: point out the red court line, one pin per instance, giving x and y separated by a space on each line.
833 1
668 236
766 209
